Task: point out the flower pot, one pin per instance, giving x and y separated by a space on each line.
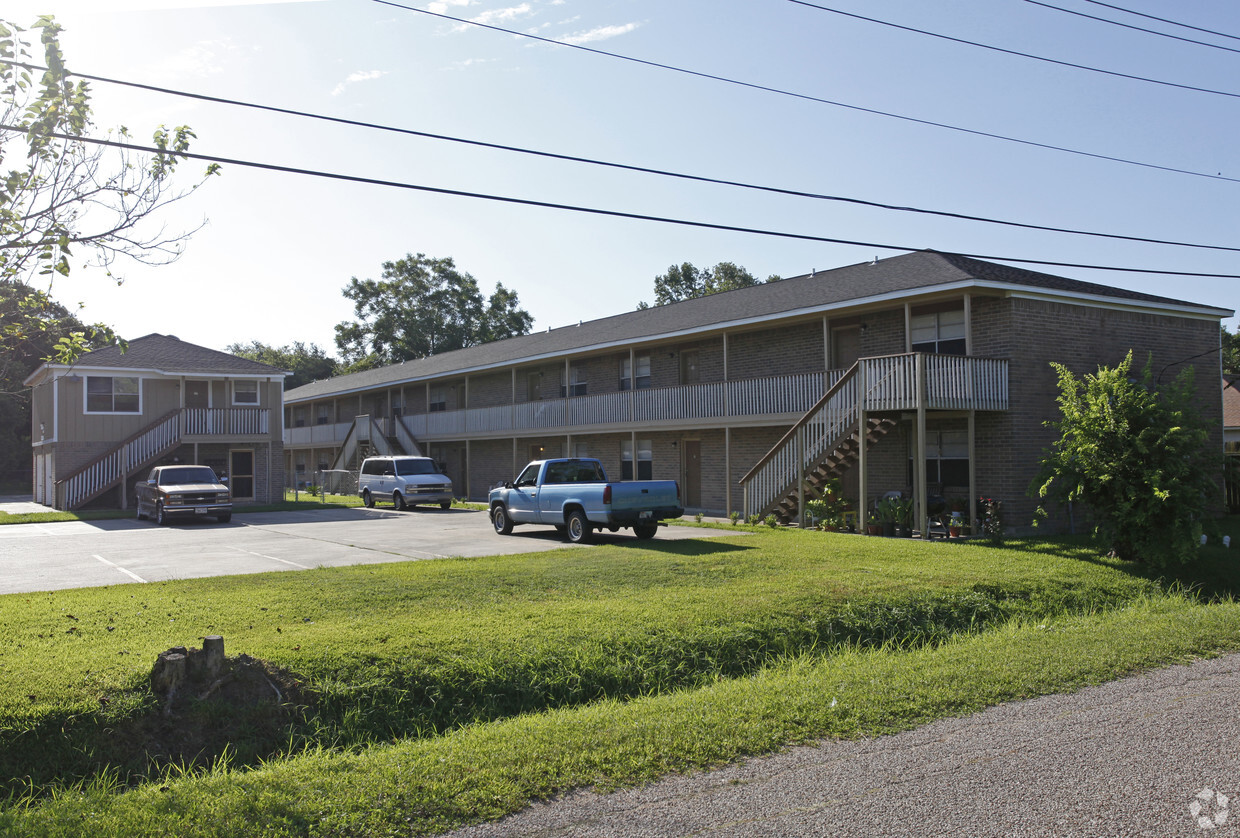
874 529
953 532
902 531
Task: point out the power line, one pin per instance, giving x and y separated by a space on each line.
808 98
1130 26
632 168
1017 53
1164 20
189 155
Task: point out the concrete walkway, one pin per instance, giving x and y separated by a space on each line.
21 505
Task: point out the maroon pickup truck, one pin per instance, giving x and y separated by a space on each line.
183 492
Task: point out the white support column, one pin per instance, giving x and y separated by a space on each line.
908 328
467 470
972 470
919 471
968 325
800 475
863 418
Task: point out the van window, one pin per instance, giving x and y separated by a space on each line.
410 466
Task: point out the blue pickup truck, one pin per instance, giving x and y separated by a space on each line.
574 496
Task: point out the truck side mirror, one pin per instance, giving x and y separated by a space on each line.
507 484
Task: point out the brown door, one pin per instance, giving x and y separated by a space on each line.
692 488
197 394
241 474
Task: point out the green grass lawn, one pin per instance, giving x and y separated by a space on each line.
444 692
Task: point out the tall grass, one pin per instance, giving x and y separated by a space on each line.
404 653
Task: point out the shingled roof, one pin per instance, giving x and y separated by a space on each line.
168 354
922 270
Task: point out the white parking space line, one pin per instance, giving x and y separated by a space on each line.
273 558
128 573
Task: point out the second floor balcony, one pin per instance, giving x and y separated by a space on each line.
890 384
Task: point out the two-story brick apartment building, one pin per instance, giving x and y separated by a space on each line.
943 359
101 423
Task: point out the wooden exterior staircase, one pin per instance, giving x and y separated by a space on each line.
828 440
109 470
843 456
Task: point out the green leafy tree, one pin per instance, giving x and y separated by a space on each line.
68 196
1231 352
34 327
421 307
1137 455
685 282
306 363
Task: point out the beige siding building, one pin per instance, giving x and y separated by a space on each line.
100 424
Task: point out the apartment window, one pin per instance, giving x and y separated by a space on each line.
245 392
645 459
947 459
322 417
299 420
112 394
941 332
643 374
439 400
581 450
578 385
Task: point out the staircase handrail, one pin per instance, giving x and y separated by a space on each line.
117 462
804 420
112 451
406 437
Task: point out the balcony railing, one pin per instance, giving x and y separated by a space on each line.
757 397
953 383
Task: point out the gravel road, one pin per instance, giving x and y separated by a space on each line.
1128 758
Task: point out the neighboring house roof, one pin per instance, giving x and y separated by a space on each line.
820 291
163 354
1231 401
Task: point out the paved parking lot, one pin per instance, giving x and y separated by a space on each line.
79 554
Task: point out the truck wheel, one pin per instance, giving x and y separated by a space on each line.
225 518
138 509
160 517
368 500
579 530
398 500
499 517
445 504
645 531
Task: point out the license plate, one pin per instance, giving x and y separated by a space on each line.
200 511
645 514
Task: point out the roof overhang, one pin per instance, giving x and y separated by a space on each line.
48 371
1196 312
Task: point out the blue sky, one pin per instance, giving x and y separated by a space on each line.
278 248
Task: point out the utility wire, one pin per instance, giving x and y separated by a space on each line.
189 155
808 98
631 168
1164 20
1017 53
1130 26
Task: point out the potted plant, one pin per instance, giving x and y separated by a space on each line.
955 525
903 517
887 515
873 524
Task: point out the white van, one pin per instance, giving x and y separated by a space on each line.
407 481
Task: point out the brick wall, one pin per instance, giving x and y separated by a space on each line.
1031 334
787 350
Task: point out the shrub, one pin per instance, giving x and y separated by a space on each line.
1138 456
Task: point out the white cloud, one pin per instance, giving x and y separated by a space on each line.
601 33
441 7
353 78
205 58
502 15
